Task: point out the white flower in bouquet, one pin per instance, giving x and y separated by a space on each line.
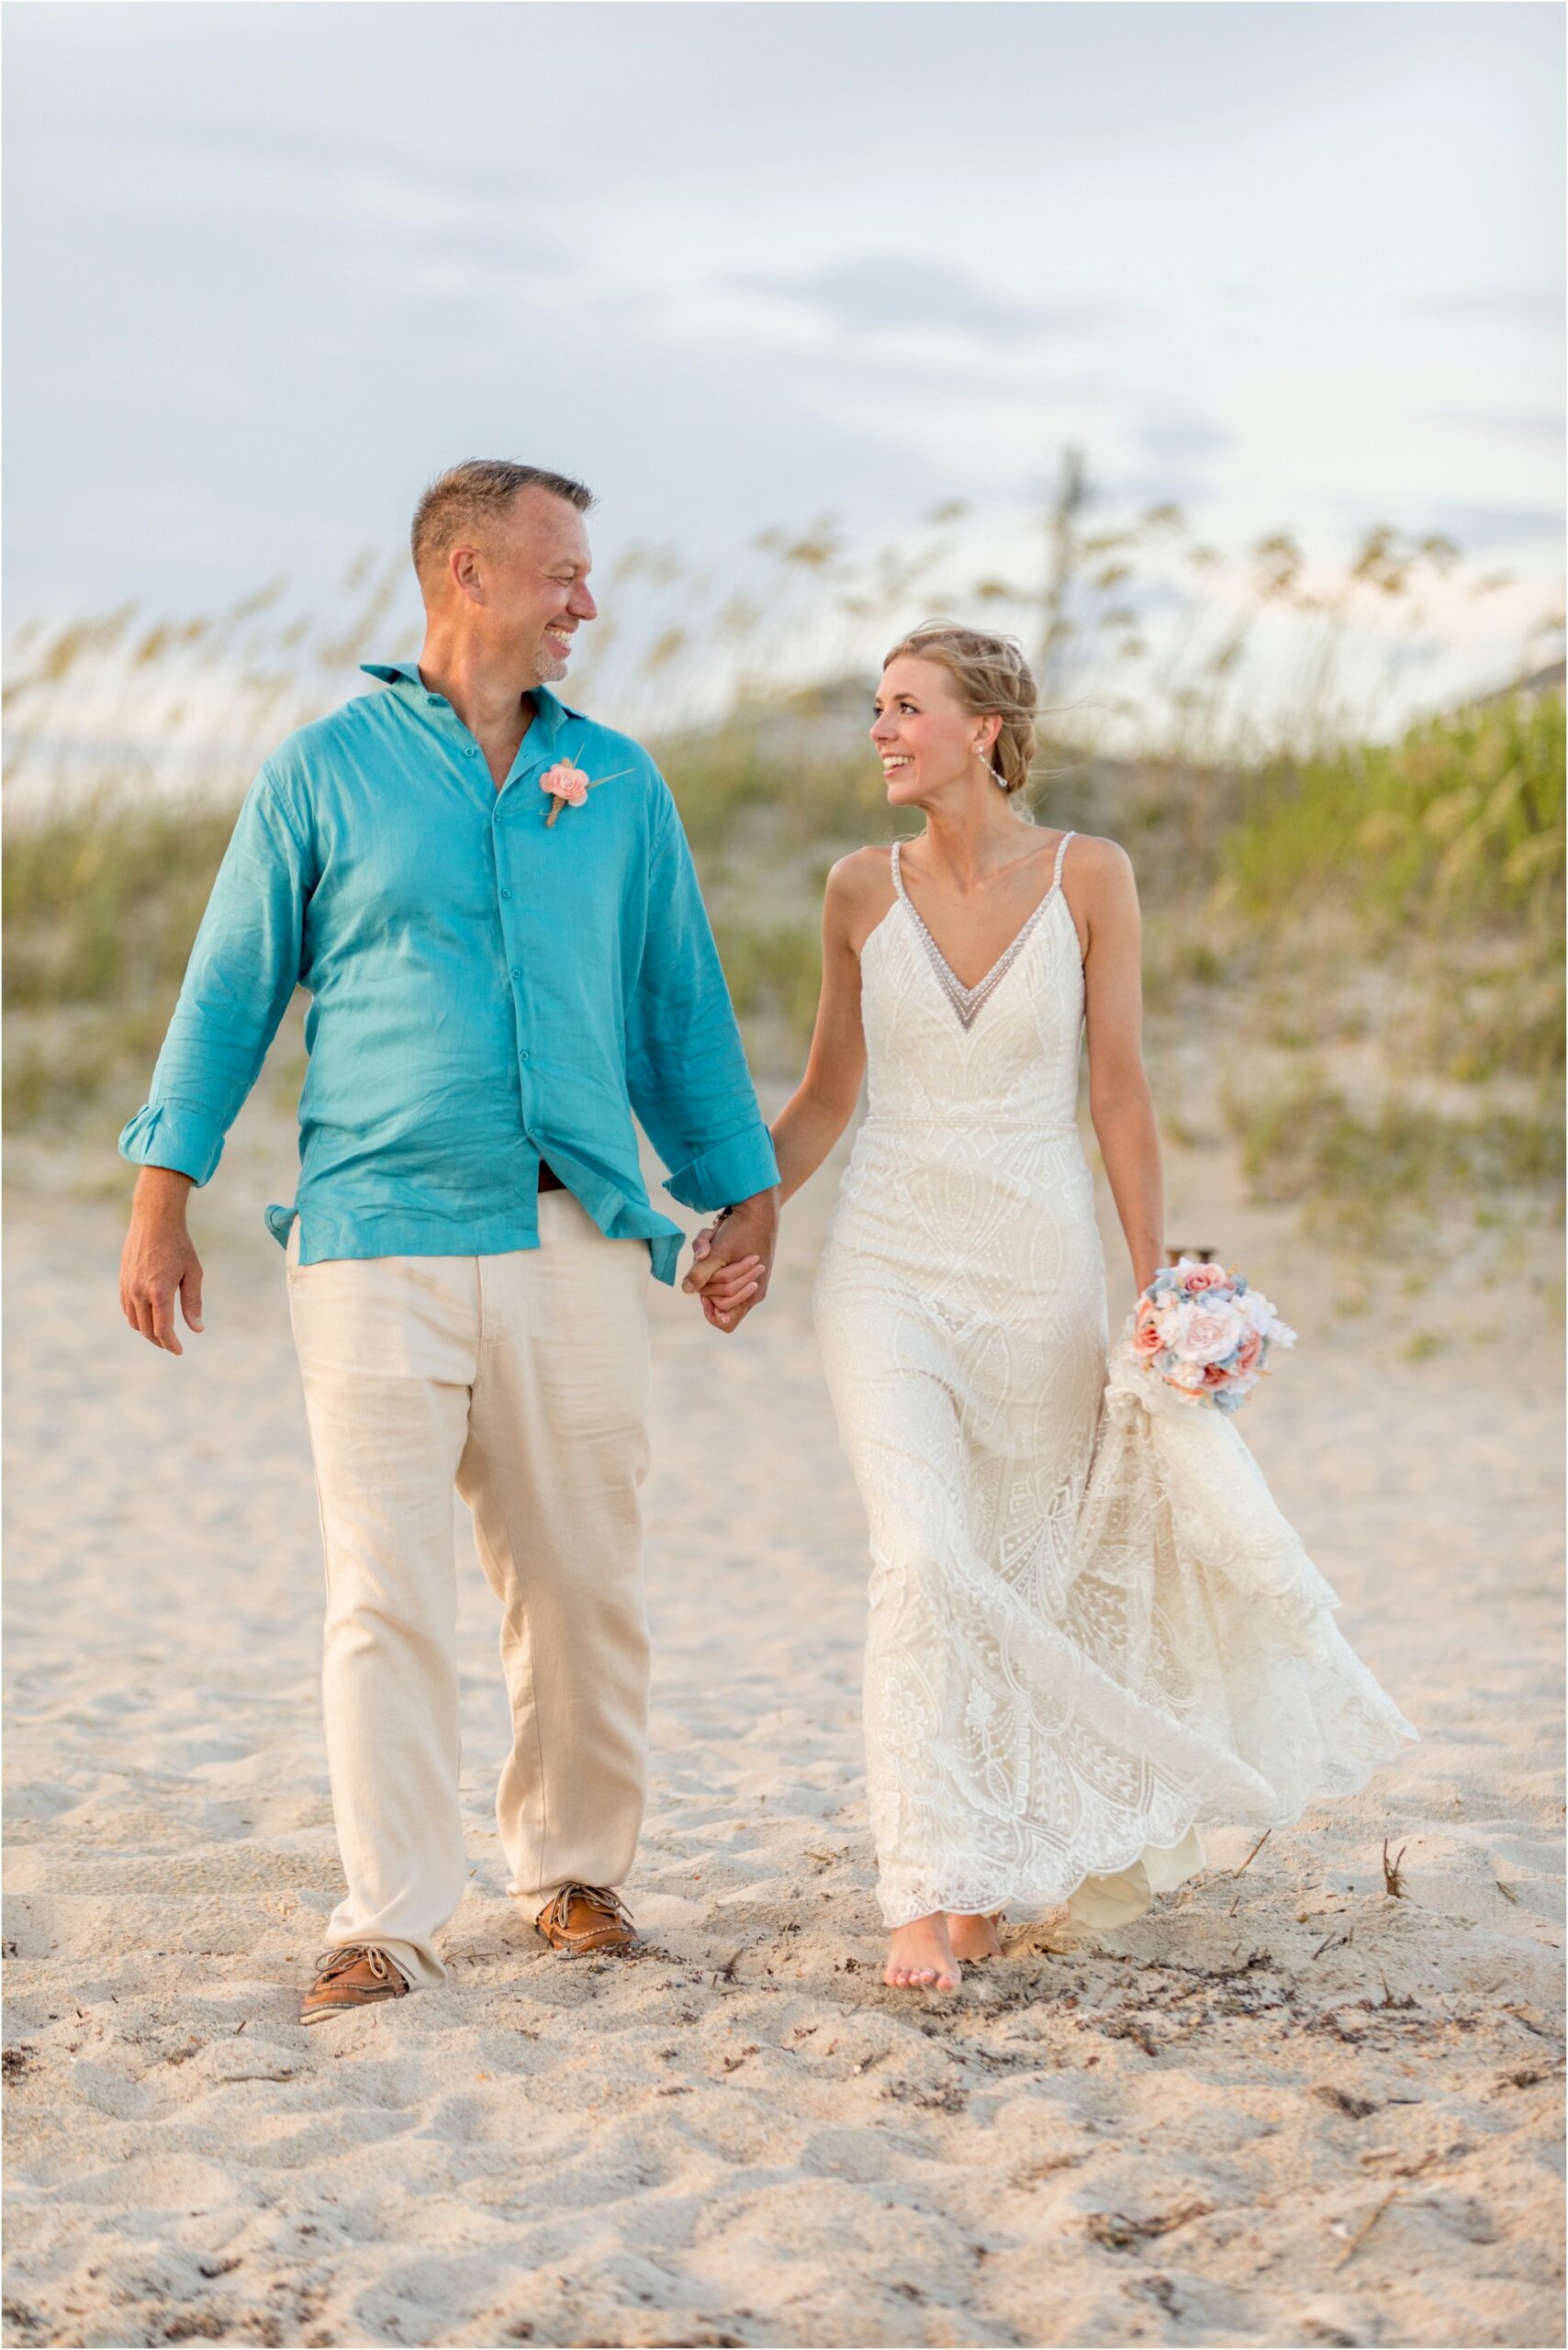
1204 1331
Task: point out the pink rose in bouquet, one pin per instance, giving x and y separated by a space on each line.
1148 1337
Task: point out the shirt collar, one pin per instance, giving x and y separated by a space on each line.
549 710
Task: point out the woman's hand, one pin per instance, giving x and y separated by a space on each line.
730 1290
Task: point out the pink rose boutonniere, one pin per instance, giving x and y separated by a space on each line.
569 787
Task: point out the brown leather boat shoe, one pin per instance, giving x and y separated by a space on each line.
354 1976
582 1920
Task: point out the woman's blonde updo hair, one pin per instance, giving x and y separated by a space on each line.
993 681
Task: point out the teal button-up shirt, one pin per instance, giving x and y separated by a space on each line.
486 992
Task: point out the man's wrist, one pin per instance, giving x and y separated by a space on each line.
760 1209
163 1189
764 1203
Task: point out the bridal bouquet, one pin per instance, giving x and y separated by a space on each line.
1206 1334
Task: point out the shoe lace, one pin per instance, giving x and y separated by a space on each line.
598 1897
333 1963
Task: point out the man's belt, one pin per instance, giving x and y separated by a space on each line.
548 1178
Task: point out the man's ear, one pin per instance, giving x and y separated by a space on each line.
466 574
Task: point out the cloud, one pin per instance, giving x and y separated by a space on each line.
863 374
1523 306
1481 529
1542 429
890 293
1183 440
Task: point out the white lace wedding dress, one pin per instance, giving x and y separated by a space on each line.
1090 1631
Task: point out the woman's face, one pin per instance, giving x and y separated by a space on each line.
925 738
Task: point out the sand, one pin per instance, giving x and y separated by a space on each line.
1285 2108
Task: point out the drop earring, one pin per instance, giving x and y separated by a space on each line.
978 751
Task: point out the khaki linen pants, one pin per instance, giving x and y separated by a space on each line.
522 1378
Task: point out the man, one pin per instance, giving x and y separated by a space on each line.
494 994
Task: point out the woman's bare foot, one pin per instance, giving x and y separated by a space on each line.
974 1938
920 1957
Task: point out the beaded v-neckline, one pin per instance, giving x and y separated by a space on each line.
967 1001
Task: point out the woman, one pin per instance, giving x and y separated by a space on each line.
1090 1628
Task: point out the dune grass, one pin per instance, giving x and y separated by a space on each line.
1403 904
101 902
1457 826
1369 932
1432 868
1352 1168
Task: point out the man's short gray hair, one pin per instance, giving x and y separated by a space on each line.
466 496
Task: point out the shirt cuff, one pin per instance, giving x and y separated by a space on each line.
181 1139
731 1171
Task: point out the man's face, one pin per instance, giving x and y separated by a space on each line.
535 569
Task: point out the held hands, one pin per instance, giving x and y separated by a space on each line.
730 1261
159 1260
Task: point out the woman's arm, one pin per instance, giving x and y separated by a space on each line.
824 1102
1120 1104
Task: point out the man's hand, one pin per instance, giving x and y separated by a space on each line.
158 1260
730 1261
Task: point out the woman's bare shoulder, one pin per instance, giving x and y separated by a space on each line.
859 892
862 868
1097 865
861 878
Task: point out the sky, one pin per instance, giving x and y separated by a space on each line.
269 267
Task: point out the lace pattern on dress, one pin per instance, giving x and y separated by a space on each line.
1090 1628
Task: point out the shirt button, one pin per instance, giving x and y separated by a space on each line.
517 971
523 1057
506 893
471 750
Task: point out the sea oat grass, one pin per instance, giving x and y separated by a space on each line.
1456 827
102 901
1372 928
1364 1171
1473 1020
60 1065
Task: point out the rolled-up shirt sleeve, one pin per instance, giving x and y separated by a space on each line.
686 1068
243 971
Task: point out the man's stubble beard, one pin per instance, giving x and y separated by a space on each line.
544 669
553 665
